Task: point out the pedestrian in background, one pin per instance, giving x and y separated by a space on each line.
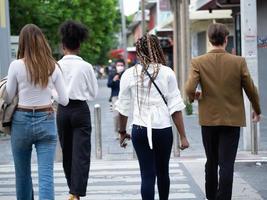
74 122
33 76
114 83
222 77
152 135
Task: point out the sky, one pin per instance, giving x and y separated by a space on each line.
130 6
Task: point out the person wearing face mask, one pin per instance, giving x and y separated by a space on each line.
114 84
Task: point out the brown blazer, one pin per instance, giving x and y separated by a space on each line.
222 77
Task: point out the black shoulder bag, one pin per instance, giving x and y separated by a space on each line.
165 101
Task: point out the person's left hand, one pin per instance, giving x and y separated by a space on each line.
116 77
184 143
255 117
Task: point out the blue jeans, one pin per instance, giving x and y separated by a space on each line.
38 128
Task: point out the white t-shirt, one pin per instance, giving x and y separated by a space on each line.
80 78
28 93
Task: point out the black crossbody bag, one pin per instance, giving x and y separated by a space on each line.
164 99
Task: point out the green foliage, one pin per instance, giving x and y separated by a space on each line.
129 19
188 108
100 16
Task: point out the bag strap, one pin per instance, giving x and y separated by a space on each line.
164 99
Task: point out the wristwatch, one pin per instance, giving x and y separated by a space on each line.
122 132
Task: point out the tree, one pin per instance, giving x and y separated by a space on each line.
99 16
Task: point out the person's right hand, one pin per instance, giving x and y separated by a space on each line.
116 77
198 95
255 117
123 139
184 143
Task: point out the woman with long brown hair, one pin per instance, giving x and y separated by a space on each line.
32 77
151 87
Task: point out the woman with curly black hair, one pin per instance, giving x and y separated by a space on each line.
74 123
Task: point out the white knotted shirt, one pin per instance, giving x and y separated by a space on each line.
149 109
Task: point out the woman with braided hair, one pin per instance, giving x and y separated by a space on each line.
151 88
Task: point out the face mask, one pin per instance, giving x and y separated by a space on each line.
119 69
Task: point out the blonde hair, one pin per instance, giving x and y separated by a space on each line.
36 54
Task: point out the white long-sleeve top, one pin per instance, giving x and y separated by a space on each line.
80 78
152 112
30 94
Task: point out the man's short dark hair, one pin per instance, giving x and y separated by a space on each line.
119 61
217 33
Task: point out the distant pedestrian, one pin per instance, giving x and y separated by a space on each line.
152 135
114 83
32 77
222 76
74 122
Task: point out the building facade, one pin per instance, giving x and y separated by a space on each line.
5 55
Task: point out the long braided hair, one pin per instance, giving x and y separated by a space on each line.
149 53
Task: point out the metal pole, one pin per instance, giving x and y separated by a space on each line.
98 137
254 141
185 44
176 5
254 138
124 38
176 142
143 17
248 10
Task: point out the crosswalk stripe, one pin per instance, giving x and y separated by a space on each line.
108 180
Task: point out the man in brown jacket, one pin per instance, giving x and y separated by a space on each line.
222 77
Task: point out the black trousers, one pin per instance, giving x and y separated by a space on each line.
74 128
220 143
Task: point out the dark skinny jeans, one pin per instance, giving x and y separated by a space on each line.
153 162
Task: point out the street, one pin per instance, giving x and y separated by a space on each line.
116 175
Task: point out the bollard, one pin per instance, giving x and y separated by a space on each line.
254 139
176 142
98 137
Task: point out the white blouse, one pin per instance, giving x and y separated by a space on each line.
28 93
149 109
80 78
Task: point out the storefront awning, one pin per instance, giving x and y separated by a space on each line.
216 4
118 53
